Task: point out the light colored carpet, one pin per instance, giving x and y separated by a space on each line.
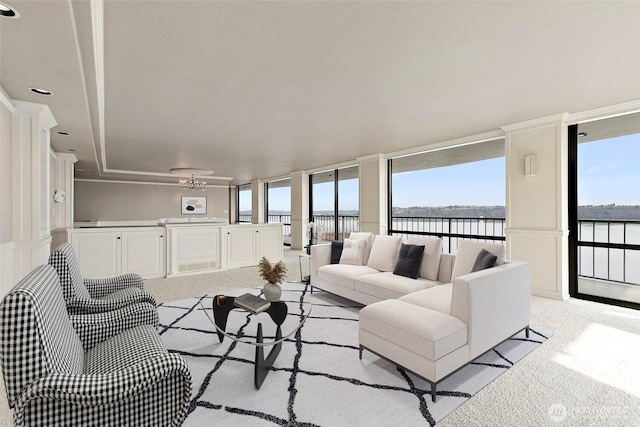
587 374
317 379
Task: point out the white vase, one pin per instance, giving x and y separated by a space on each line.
272 291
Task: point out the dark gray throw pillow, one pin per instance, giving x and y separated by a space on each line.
336 251
409 260
484 260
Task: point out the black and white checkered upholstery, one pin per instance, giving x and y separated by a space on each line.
95 295
127 379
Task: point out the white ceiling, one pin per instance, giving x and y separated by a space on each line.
260 89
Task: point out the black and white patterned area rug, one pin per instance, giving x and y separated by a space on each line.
317 379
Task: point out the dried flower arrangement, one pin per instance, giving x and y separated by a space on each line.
272 274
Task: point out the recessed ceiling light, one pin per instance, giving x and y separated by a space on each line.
8 11
73 150
582 134
40 91
61 132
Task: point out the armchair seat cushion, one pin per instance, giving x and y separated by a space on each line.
427 333
141 343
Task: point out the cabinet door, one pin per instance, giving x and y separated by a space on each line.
98 254
270 243
143 253
241 246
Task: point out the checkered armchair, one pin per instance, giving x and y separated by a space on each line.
95 295
50 379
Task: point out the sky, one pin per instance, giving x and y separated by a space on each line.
608 172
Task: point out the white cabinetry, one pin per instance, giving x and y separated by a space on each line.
143 253
193 249
99 254
246 244
105 253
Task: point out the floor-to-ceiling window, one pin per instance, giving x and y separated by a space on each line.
605 210
452 193
278 205
243 210
334 203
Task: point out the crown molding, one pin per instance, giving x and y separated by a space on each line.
6 101
604 112
111 181
542 121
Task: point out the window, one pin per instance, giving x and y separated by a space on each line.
243 210
452 193
278 205
335 203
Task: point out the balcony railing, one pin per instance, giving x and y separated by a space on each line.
608 249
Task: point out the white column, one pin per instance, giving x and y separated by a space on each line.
537 203
299 209
257 201
373 193
31 124
63 181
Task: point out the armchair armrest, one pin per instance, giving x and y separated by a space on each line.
112 388
97 327
320 255
493 303
100 287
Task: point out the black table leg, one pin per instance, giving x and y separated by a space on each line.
262 364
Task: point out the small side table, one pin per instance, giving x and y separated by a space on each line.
305 279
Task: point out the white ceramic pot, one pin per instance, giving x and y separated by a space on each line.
272 291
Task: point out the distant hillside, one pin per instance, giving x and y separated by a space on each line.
613 211
610 212
451 211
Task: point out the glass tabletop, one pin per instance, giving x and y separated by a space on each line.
241 325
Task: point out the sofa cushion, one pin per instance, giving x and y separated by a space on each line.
484 260
432 253
384 252
468 252
436 298
336 251
409 260
352 252
425 332
368 238
390 286
343 274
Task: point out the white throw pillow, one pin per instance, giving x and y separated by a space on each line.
384 252
352 252
368 238
431 257
468 252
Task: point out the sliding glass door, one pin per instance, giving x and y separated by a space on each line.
605 210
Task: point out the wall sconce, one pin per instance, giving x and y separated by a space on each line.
58 196
530 165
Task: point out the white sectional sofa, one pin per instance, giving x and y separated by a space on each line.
440 321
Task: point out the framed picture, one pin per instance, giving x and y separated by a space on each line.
192 205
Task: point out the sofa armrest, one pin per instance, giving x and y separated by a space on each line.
494 303
320 255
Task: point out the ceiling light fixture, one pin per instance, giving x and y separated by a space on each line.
191 183
40 91
8 11
61 132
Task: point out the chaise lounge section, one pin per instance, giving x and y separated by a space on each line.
433 327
